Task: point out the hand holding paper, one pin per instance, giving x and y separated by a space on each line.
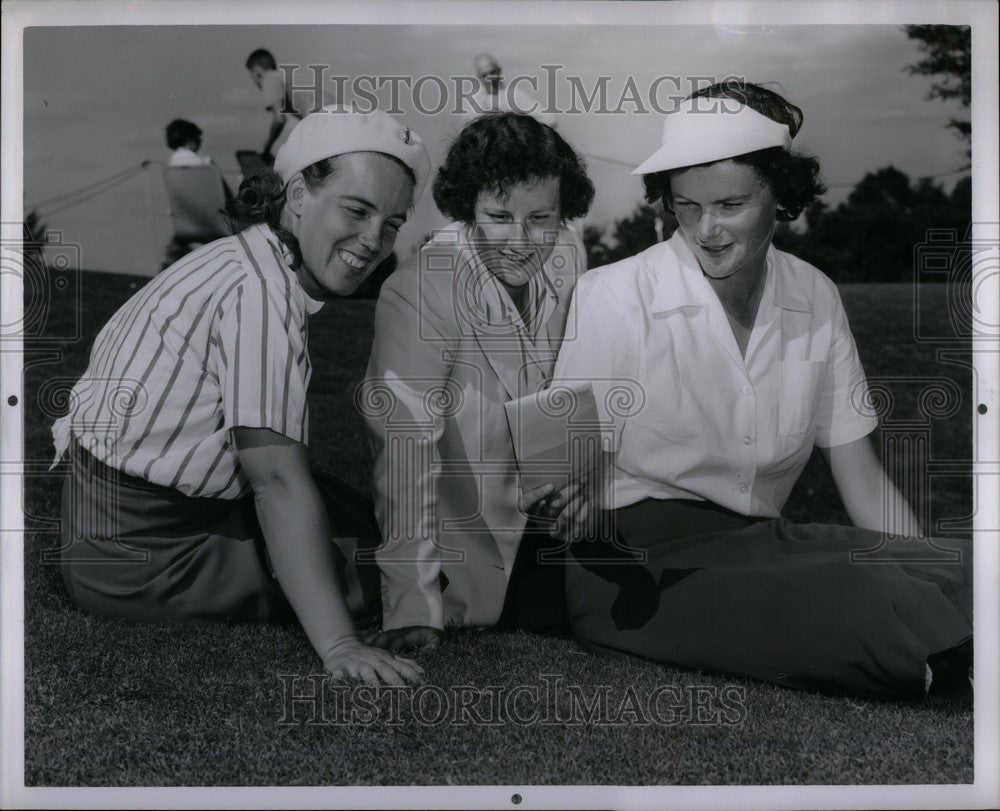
558 441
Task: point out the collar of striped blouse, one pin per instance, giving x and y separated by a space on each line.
313 306
704 130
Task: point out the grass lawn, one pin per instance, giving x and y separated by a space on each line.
109 703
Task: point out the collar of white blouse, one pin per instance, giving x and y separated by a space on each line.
684 285
688 287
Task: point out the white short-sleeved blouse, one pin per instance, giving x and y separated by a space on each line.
693 418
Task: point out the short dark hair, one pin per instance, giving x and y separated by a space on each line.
262 57
261 199
499 150
792 176
179 132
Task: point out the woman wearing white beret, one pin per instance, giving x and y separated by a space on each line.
740 360
189 494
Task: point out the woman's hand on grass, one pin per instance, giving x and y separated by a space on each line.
421 637
298 534
353 659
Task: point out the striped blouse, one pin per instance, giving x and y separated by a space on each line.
218 340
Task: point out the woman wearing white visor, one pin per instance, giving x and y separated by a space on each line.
740 359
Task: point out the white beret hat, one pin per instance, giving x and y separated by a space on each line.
703 130
338 130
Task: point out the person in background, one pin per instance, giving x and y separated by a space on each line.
493 95
490 79
189 493
184 138
277 100
742 361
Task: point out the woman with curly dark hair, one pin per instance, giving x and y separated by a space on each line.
738 360
189 494
473 321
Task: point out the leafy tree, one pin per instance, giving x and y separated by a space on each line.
872 235
34 237
593 243
947 55
634 234
961 195
631 235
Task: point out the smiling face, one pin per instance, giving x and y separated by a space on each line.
349 224
516 233
726 213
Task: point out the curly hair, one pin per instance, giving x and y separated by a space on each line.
262 57
792 176
261 201
495 152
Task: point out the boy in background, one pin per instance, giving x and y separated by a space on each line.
264 71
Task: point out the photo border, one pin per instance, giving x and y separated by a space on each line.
985 792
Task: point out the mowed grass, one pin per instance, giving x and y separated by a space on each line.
108 703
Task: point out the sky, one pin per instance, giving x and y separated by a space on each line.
97 99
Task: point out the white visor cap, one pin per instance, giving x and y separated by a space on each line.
703 130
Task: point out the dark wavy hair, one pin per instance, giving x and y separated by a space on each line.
792 176
179 132
496 151
261 199
262 57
